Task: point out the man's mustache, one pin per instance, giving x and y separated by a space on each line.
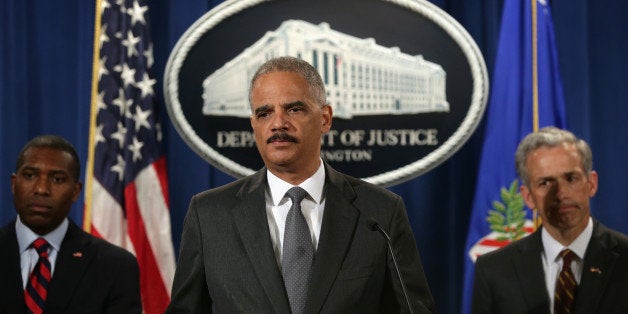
281 136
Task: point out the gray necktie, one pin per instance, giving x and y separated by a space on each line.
298 252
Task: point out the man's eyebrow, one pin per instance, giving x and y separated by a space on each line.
262 108
52 171
294 104
573 173
29 168
56 172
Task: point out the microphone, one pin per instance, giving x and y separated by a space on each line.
374 225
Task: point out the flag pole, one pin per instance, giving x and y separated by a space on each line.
89 174
535 72
535 89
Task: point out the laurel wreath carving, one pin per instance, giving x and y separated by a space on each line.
508 216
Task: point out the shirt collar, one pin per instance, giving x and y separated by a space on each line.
26 236
579 246
313 185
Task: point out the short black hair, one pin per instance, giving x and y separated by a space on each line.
53 142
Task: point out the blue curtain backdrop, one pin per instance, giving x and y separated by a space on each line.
45 72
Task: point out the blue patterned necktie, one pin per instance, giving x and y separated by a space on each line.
298 252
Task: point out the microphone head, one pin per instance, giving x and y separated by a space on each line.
372 223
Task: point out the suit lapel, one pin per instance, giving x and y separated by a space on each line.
531 277
12 300
252 225
71 264
599 261
339 222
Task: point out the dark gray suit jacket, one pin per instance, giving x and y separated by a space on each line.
90 276
511 280
227 263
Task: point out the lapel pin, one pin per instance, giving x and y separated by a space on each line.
595 270
77 254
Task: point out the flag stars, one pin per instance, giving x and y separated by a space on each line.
136 148
123 103
137 13
120 3
119 134
130 43
127 75
120 100
119 167
146 85
100 101
102 68
124 82
141 118
104 4
148 54
103 35
99 137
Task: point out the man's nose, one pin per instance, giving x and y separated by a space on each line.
560 189
42 186
280 121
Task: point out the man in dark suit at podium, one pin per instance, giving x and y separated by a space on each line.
49 264
573 263
297 235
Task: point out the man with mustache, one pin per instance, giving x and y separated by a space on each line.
573 263
295 237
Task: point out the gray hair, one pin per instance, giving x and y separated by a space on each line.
550 137
295 65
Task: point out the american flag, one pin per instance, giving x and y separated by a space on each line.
126 194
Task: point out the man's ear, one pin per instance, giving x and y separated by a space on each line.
592 182
527 196
13 176
78 186
327 114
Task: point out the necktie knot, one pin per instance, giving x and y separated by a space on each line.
41 246
296 194
568 256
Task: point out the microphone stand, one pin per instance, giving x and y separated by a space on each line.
376 227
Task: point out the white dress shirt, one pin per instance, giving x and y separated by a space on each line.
28 255
553 263
278 205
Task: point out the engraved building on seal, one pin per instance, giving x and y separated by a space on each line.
360 76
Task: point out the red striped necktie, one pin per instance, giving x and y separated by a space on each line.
37 287
565 292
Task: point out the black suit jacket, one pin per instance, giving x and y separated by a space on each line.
511 280
227 263
90 276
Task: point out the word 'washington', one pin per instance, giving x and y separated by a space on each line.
346 138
